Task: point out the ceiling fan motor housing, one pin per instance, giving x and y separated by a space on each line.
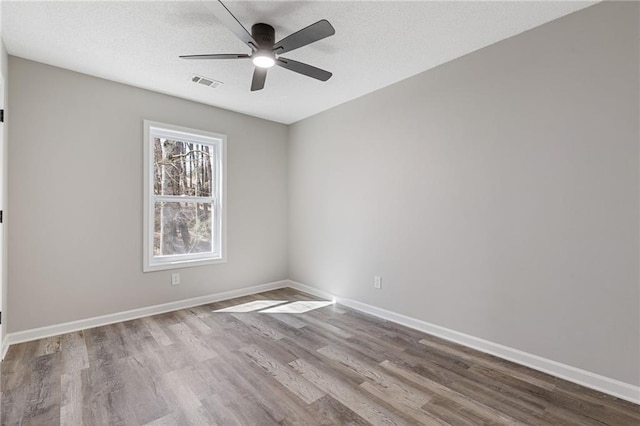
264 34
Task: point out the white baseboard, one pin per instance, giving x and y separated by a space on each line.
312 291
69 327
4 347
585 378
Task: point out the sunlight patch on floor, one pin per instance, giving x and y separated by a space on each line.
297 307
252 306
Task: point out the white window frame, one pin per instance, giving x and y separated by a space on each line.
218 141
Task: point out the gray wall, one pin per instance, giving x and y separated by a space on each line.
75 179
496 195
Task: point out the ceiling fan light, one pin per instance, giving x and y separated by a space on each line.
263 60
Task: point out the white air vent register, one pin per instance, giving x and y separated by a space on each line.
209 82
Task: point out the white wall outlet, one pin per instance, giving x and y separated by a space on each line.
175 279
377 282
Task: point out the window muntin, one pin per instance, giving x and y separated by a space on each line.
183 197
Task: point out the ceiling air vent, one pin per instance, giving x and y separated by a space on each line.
209 82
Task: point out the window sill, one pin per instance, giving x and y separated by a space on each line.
182 264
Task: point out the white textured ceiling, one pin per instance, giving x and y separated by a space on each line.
376 44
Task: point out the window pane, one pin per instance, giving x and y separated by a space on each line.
182 228
182 168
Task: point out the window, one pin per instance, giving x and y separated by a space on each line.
184 197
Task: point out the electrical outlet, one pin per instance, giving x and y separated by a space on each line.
377 282
175 279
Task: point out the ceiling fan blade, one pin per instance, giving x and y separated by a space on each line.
230 21
308 35
259 77
304 69
217 56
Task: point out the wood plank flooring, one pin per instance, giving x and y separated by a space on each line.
292 361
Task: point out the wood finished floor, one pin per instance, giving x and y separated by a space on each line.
327 366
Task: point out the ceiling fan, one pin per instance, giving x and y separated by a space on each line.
265 52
